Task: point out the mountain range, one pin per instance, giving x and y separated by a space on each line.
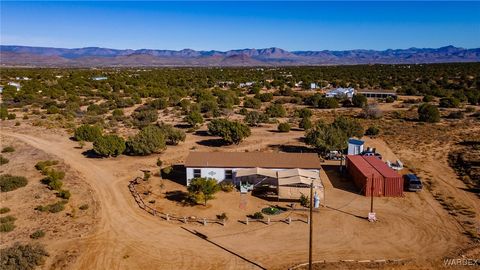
12 55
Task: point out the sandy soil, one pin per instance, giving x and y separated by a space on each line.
414 227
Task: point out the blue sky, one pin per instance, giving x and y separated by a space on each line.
236 25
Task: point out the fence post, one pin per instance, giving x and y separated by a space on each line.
204 222
154 212
289 220
246 221
168 217
308 220
223 222
268 221
185 220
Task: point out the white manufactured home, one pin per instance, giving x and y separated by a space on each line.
288 174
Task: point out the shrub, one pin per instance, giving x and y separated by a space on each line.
327 103
304 113
143 117
11 116
427 98
4 210
64 194
203 189
456 115
83 207
172 135
52 109
7 227
255 118
389 99
252 103
149 140
52 208
25 257
226 186
109 145
257 215
371 111
42 165
304 201
7 219
9 182
265 97
449 102
194 118
87 133
8 149
428 113
372 131
276 110
230 131
359 100
284 127
305 123
159 162
37 234
3 160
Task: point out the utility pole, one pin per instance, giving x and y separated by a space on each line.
371 215
311 228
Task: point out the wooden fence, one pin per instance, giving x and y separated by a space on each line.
203 221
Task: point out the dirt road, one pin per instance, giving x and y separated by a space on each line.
128 238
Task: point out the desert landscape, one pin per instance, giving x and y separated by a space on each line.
80 142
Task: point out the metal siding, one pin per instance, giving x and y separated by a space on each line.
393 181
363 173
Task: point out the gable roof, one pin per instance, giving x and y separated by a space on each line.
253 159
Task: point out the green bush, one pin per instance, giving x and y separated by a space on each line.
9 182
427 98
37 234
372 131
143 117
252 103
8 149
305 123
389 99
87 133
109 145
304 113
230 131
83 207
227 186
172 135
4 210
456 115
64 194
194 118
7 219
203 189
222 216
428 113
449 102
284 127
149 140
52 208
255 118
3 160
7 227
276 110
359 100
52 109
22 257
304 201
42 165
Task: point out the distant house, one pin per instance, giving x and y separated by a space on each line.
16 85
378 94
1 89
287 174
99 78
341 92
246 84
313 86
22 78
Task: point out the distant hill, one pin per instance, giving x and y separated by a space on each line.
11 55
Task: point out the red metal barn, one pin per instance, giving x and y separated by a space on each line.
393 182
364 174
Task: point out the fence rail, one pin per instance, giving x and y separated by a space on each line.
204 221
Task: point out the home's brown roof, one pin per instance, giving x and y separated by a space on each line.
253 160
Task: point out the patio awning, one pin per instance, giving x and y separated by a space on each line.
298 172
256 171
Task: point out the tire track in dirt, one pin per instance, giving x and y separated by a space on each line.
125 237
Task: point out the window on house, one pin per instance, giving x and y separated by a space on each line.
228 175
197 173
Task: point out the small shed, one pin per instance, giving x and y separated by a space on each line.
355 146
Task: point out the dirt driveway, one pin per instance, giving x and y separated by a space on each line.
413 227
